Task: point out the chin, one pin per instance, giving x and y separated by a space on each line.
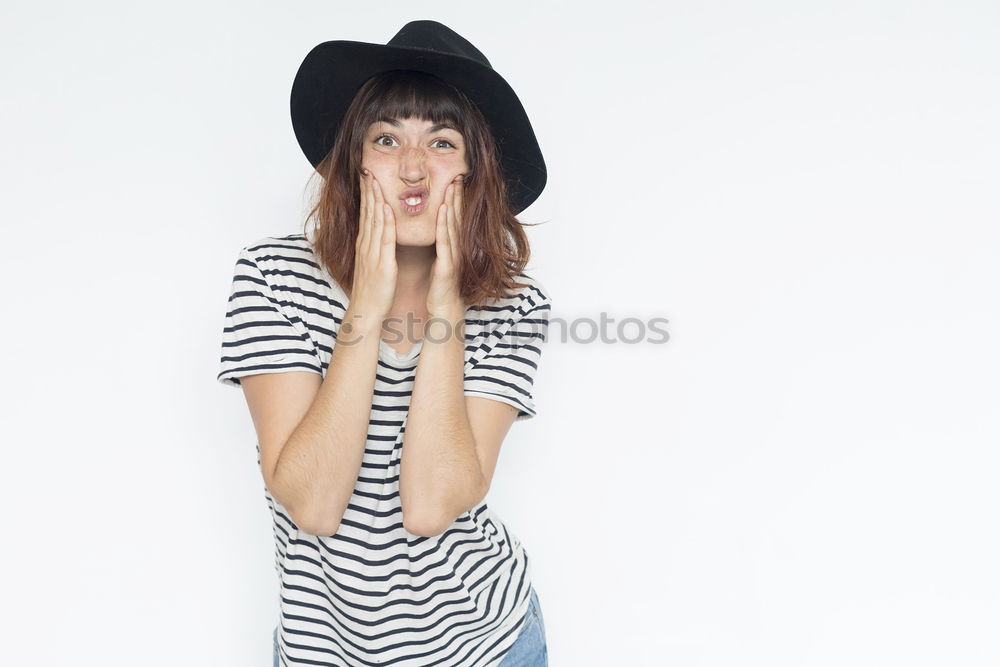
416 240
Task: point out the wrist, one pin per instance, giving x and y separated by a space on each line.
452 310
446 324
358 325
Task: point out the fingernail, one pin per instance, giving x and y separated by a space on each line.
461 177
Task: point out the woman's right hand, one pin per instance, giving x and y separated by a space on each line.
375 268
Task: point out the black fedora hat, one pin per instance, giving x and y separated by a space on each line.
332 73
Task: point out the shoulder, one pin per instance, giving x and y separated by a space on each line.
280 250
529 303
292 269
534 290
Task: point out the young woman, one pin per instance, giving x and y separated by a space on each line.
378 442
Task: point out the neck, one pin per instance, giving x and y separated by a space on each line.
414 271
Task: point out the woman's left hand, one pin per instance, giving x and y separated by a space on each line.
444 298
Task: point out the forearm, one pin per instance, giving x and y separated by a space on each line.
440 471
318 466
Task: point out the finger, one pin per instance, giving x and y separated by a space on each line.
449 215
362 243
370 210
379 218
447 261
389 233
441 230
362 204
459 199
453 223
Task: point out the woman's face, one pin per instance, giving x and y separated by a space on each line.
407 155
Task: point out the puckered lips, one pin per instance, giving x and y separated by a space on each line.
413 206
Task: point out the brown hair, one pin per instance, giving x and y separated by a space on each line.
494 247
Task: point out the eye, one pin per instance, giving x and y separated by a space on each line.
378 140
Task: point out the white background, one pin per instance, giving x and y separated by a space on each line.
804 475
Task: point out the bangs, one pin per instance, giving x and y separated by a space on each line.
410 94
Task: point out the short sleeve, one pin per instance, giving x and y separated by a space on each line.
507 372
258 335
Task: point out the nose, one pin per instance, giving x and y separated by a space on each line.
412 164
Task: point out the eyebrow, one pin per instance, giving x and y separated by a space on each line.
433 128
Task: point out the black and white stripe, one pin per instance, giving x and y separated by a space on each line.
373 593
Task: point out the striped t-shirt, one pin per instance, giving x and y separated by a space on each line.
373 593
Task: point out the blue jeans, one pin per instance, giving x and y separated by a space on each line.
529 649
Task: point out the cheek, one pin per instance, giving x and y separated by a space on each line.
373 153
373 159
445 170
